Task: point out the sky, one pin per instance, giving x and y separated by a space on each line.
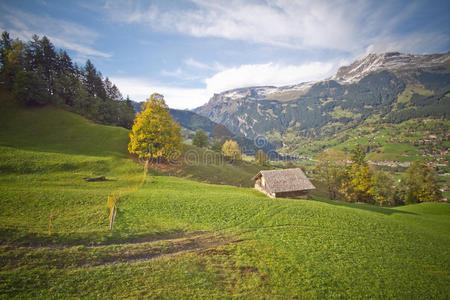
189 50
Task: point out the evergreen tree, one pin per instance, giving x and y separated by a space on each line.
30 89
358 156
90 78
38 74
42 59
64 65
217 145
13 60
5 45
261 158
330 171
66 88
200 139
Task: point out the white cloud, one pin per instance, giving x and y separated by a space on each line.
81 49
177 73
62 34
282 23
200 65
140 89
268 74
345 25
196 64
243 76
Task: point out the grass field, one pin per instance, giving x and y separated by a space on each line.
176 238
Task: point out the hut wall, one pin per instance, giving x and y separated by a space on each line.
259 186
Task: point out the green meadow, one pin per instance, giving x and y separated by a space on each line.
179 238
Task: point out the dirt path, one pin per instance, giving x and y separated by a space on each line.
81 256
166 248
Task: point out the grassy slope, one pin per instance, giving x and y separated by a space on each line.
210 167
286 248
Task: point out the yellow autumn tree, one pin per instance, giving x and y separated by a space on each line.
357 184
154 135
231 151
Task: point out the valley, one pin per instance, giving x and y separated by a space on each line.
179 238
373 94
105 197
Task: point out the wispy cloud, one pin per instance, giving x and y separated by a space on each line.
268 74
344 25
61 33
181 74
200 65
177 73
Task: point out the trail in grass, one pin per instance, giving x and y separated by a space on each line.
175 247
115 196
97 256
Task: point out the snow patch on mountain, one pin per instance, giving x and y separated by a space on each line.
392 61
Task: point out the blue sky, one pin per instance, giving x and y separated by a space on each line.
189 50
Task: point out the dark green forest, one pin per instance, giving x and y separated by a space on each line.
39 74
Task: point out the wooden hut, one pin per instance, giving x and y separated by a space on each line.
287 183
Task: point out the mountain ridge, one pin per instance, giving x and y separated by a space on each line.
388 87
190 122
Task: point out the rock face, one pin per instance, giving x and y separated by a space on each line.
392 61
392 87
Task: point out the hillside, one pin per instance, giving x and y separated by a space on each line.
190 122
388 88
176 238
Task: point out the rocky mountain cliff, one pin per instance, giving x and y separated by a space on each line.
388 87
391 61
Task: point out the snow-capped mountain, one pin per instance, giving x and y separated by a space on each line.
391 87
269 92
392 61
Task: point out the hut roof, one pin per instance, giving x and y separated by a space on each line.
287 180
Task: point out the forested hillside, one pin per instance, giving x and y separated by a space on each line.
381 89
39 74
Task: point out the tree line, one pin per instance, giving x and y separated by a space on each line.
356 182
223 143
39 74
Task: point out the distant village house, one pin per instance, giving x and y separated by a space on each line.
288 183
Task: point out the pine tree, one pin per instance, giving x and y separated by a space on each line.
12 59
330 170
261 158
200 139
90 78
5 45
358 156
30 89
